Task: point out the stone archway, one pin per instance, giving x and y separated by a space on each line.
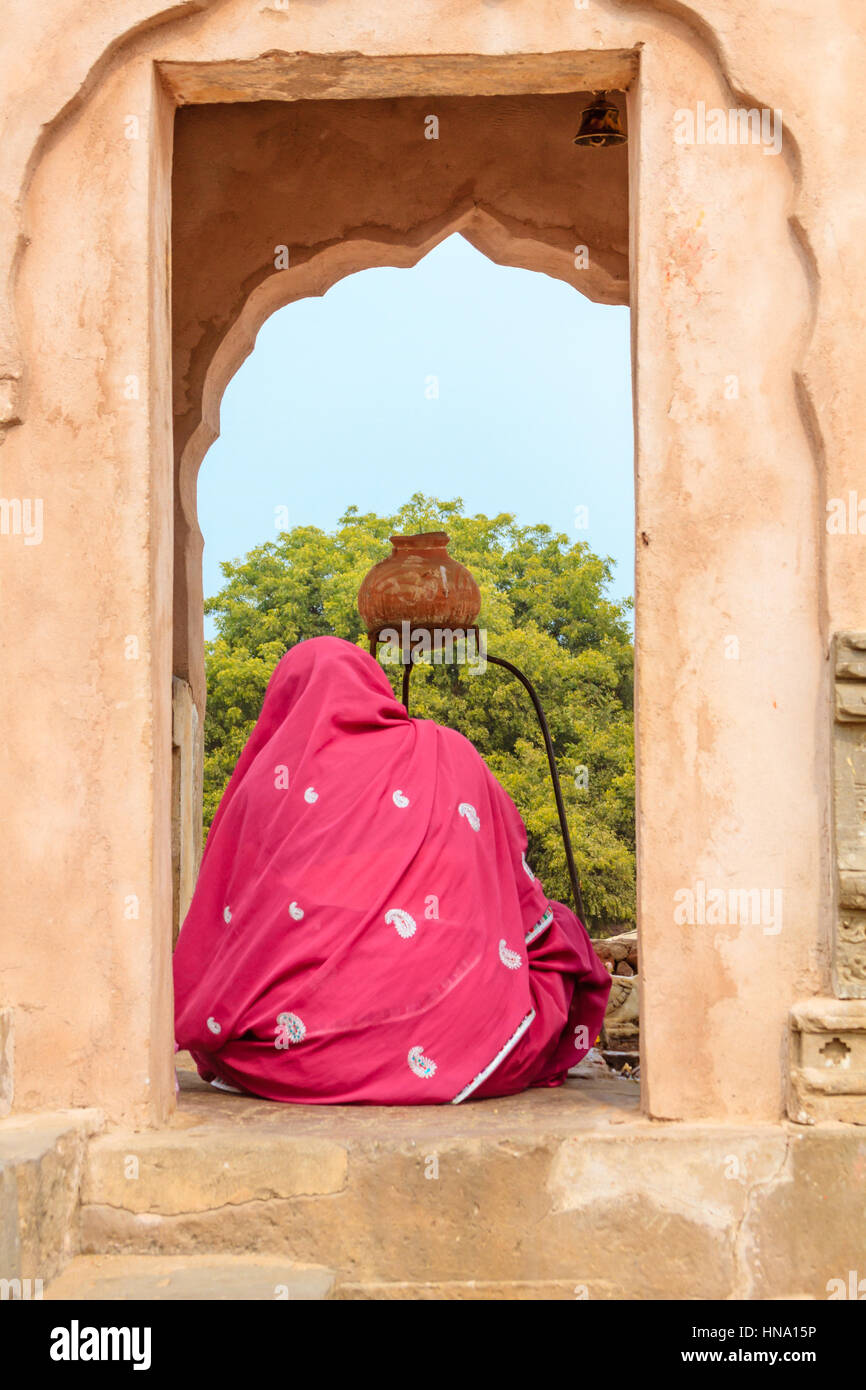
502 171
332 213
728 513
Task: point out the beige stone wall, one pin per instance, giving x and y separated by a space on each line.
741 265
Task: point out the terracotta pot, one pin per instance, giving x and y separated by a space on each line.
419 583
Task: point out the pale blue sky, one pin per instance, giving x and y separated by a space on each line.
533 414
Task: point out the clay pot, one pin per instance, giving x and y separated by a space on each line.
419 583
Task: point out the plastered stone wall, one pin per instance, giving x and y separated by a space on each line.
742 265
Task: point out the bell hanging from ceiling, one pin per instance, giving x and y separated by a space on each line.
600 124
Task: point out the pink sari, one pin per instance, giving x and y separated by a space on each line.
365 925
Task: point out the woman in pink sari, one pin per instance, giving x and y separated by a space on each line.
365 925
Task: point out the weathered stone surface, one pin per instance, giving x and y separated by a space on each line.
622 1019
200 1169
852 888
294 77
851 967
623 946
466 1290
42 1158
851 701
567 1193
189 1277
7 1062
808 1227
828 1061
850 654
851 928
10 1220
850 666
611 950
849 806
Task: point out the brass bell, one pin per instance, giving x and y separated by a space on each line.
600 124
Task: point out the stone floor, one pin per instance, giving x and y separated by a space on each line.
563 1193
566 1193
580 1104
249 1158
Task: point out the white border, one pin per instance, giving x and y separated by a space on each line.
501 1054
542 922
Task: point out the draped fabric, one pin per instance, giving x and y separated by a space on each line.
365 925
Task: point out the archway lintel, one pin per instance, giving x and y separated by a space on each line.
280 75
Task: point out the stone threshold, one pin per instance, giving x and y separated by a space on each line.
563 1193
533 1196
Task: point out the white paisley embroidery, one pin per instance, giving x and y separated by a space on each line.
311 795
214 1026
399 799
421 1065
227 915
289 1029
403 921
296 912
508 957
470 813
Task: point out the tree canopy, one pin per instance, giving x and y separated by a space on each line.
545 608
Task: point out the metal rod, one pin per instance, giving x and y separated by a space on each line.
407 671
407 667
551 759
554 777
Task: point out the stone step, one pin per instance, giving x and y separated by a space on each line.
175 1278
464 1290
383 1196
565 1193
42 1158
188 1278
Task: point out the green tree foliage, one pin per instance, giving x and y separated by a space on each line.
544 608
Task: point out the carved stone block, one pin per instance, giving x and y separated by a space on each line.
849 815
828 1061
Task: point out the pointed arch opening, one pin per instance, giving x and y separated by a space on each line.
277 202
